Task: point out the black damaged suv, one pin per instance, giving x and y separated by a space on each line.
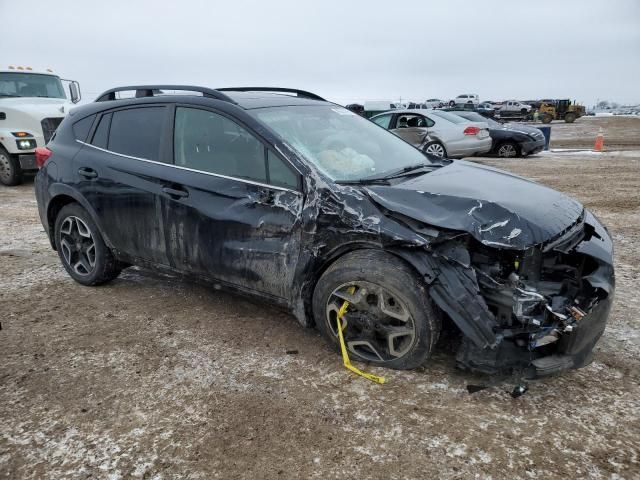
281 194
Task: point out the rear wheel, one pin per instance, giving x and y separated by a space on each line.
390 320
435 148
81 249
570 117
10 172
507 150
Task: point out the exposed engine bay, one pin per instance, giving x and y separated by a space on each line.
538 298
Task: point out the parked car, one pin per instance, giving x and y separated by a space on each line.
509 139
315 209
467 98
486 110
437 133
356 108
434 103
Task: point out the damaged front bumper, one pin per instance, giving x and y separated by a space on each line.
534 312
572 349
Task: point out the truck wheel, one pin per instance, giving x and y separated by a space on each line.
10 172
523 111
435 148
81 249
546 118
570 117
390 320
508 150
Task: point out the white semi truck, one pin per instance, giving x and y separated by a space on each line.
32 105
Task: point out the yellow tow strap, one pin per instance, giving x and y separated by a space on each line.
343 347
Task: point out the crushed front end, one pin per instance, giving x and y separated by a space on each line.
549 303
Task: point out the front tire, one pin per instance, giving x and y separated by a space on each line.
390 320
508 150
10 172
81 249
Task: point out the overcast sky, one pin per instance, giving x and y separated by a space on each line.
343 50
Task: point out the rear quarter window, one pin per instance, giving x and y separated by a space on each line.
81 128
101 135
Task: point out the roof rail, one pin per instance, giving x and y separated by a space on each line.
299 93
152 90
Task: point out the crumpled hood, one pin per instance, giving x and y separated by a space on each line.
499 209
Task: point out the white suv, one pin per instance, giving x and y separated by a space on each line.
467 98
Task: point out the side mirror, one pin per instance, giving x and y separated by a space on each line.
74 91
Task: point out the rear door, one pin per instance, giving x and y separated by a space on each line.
122 171
239 219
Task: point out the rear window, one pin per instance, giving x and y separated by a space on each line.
81 128
449 116
137 132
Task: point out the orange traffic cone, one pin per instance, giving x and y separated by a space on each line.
599 146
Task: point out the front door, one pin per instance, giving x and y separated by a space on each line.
238 218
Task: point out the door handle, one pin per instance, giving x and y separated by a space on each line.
87 172
175 193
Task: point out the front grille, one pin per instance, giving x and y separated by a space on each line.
49 126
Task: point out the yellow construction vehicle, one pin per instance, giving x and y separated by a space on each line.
560 110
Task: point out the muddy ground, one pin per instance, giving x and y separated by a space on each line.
149 377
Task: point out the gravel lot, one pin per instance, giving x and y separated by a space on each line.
150 377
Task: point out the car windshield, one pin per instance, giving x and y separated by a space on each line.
343 145
449 116
30 85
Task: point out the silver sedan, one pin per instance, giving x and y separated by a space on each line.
437 132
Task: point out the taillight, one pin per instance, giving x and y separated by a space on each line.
42 155
472 130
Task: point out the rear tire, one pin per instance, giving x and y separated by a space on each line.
81 249
570 117
435 148
383 282
10 172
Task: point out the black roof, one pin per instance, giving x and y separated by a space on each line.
246 98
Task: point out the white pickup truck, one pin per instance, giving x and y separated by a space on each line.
32 105
513 109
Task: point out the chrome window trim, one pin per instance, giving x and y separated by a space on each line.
243 180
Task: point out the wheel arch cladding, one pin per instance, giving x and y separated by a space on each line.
56 204
318 270
63 195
